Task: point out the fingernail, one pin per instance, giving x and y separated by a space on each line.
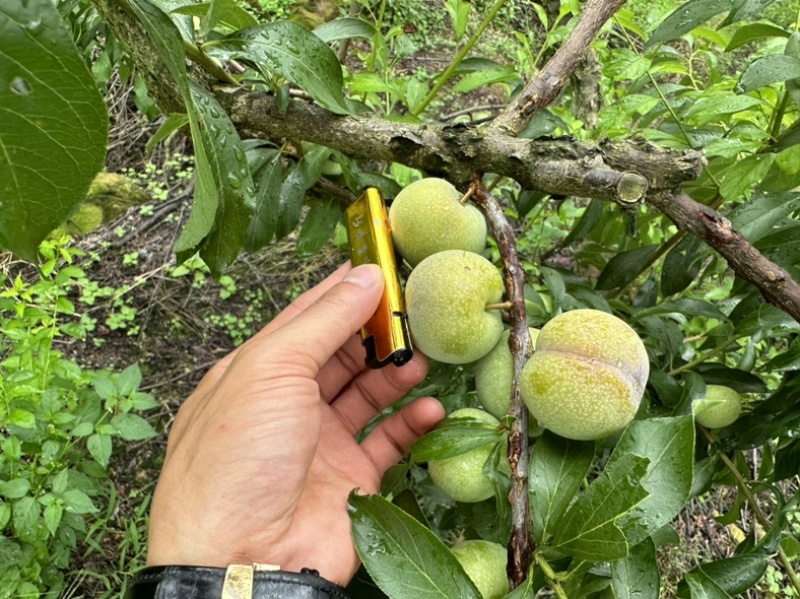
366 275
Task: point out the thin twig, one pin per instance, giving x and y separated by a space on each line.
355 8
521 545
544 88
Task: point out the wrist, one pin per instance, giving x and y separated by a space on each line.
257 581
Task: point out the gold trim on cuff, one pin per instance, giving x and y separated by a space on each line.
239 579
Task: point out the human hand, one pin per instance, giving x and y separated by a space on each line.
262 456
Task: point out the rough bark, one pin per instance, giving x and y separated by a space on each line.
775 284
558 166
545 87
521 545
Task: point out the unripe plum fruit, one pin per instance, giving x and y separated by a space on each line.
587 376
485 564
461 477
719 408
494 373
446 297
427 217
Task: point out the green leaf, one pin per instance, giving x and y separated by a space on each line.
728 577
226 12
756 218
345 28
24 516
682 264
52 517
293 191
104 387
233 194
668 445
453 437
741 177
710 108
171 124
403 556
55 126
459 15
686 17
477 79
166 38
754 31
745 9
129 380
22 418
558 466
636 576
262 227
685 306
15 488
589 529
99 446
293 52
623 267
319 225
78 502
590 217
132 427
5 514
767 70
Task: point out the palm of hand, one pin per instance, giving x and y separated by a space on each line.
263 455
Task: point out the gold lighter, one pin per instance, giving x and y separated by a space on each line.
385 336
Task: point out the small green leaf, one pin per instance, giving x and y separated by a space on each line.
741 177
25 514
171 124
132 427
262 227
686 17
401 554
129 380
623 267
754 31
228 13
53 118
293 191
768 70
144 401
15 488
345 28
589 530
104 387
710 108
52 517
319 225
558 466
22 418
454 437
636 576
5 514
12 448
83 429
78 502
459 15
293 52
477 79
682 264
99 446
758 217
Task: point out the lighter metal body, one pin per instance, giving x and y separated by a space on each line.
385 336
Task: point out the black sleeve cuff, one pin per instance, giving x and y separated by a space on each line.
195 582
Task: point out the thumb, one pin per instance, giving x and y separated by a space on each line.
334 318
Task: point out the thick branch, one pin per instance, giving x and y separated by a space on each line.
545 87
610 170
520 546
774 282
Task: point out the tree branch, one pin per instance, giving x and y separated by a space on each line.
520 546
617 171
545 87
775 284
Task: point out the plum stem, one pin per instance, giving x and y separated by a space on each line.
499 306
467 196
521 544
